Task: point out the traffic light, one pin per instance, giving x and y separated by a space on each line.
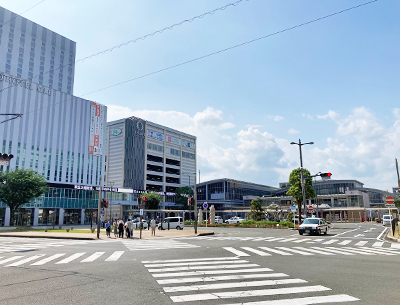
144 199
6 156
190 201
326 175
104 204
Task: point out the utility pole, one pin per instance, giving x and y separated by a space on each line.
195 205
98 211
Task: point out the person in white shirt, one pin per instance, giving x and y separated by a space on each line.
153 227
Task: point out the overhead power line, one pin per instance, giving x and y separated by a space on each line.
139 38
16 15
217 52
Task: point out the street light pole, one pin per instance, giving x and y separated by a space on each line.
303 186
195 201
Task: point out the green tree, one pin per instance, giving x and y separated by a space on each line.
295 189
152 200
182 194
22 185
256 211
397 203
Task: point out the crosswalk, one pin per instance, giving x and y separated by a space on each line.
308 251
159 244
8 244
58 259
322 241
231 278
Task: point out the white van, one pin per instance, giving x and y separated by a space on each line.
218 219
173 222
387 220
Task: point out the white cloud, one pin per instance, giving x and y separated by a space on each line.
307 116
276 118
330 115
293 131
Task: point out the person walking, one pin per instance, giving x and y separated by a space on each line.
115 228
108 228
121 228
128 229
153 227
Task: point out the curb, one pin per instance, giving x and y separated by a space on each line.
55 237
205 234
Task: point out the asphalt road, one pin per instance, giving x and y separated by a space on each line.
235 266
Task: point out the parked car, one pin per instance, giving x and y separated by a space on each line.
387 220
313 225
172 223
234 220
136 223
296 218
218 219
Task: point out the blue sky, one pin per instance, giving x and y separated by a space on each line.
334 82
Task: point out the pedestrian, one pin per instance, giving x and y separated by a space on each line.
108 228
153 227
115 228
121 228
148 224
128 229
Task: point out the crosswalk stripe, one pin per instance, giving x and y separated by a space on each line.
345 242
330 242
249 293
275 251
380 251
26 260
233 285
315 251
194 263
333 250
115 256
394 245
319 239
287 239
203 267
48 259
275 239
376 251
71 258
208 272
302 240
10 259
220 278
191 260
378 244
338 298
361 243
295 251
235 251
261 253
93 257
355 251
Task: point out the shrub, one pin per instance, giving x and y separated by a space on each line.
60 227
93 229
67 230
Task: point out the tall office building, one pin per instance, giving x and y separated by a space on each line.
59 135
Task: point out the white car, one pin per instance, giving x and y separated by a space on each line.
313 225
387 220
136 223
234 220
218 219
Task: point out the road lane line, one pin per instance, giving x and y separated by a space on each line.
220 278
333 250
380 235
233 285
93 257
302 240
235 251
26 260
330 241
295 251
361 243
248 293
10 259
376 251
48 259
194 263
115 256
208 272
345 242
261 253
315 251
275 251
70 258
345 232
287 239
356 251
190 260
338 298
382 250
203 267
378 244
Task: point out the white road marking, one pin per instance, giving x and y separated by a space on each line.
70 258
361 243
383 232
93 257
333 250
287 239
195 263
377 251
220 278
249 293
190 260
261 253
301 240
26 260
338 298
10 259
207 272
48 259
203 267
378 244
330 242
233 285
345 232
295 251
115 256
235 251
315 251
275 251
393 245
345 242
355 251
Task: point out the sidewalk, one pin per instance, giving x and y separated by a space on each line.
146 234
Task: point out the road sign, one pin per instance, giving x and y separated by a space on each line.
205 205
389 205
310 208
293 208
183 211
141 211
389 199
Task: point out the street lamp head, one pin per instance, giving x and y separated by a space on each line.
293 143
311 143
